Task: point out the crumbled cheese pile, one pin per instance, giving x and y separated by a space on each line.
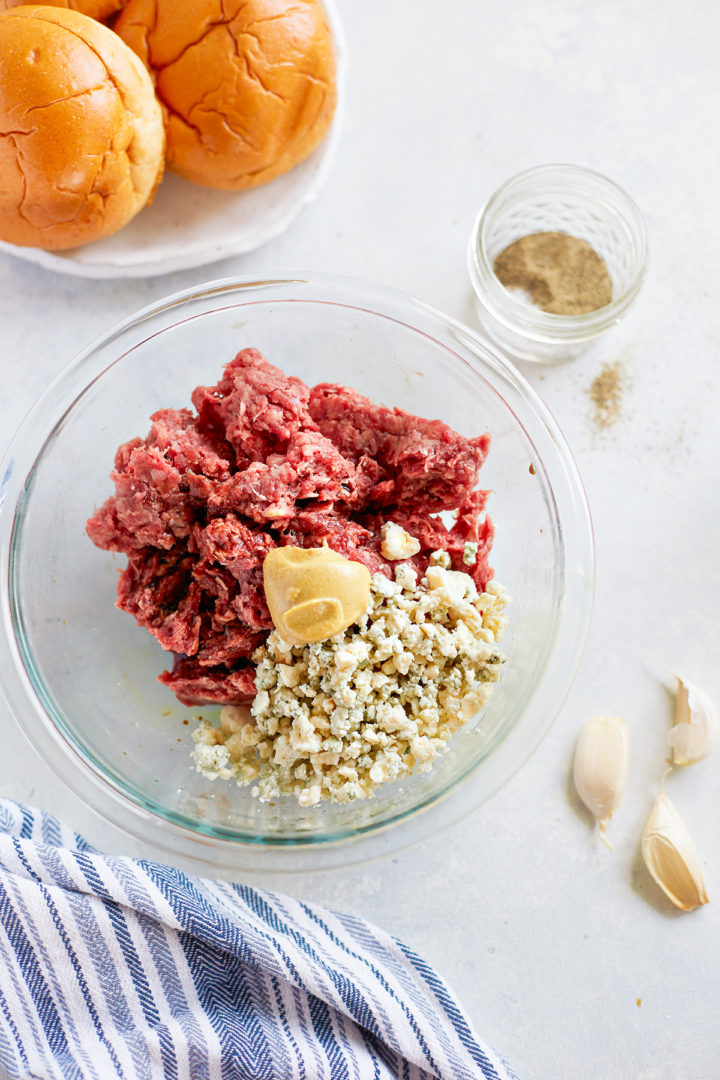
335 719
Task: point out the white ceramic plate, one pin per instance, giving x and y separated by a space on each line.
189 226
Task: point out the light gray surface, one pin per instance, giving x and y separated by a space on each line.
548 938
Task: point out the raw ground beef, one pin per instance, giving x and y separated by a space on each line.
266 461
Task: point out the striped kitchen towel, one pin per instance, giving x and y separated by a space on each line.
117 967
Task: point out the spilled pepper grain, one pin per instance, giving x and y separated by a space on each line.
606 394
562 274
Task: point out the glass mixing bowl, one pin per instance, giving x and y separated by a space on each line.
80 675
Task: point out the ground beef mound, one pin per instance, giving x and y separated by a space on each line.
266 461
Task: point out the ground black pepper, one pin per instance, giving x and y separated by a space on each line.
606 394
562 274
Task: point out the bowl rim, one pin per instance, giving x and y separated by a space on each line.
194 842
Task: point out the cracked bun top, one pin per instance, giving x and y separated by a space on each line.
81 133
96 9
248 86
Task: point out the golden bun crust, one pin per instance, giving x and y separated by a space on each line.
96 9
248 86
81 132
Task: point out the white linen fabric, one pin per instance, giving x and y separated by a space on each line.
120 968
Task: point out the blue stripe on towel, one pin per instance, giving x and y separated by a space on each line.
120 967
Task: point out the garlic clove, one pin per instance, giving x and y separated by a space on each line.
601 764
670 856
697 724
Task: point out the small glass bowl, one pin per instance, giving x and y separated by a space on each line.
562 198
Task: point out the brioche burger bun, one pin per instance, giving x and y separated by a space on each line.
81 132
248 86
96 9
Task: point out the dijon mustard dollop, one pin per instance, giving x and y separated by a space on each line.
314 593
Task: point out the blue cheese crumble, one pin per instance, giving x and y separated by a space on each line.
470 553
335 719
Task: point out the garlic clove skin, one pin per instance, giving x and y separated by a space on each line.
600 765
697 725
670 856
